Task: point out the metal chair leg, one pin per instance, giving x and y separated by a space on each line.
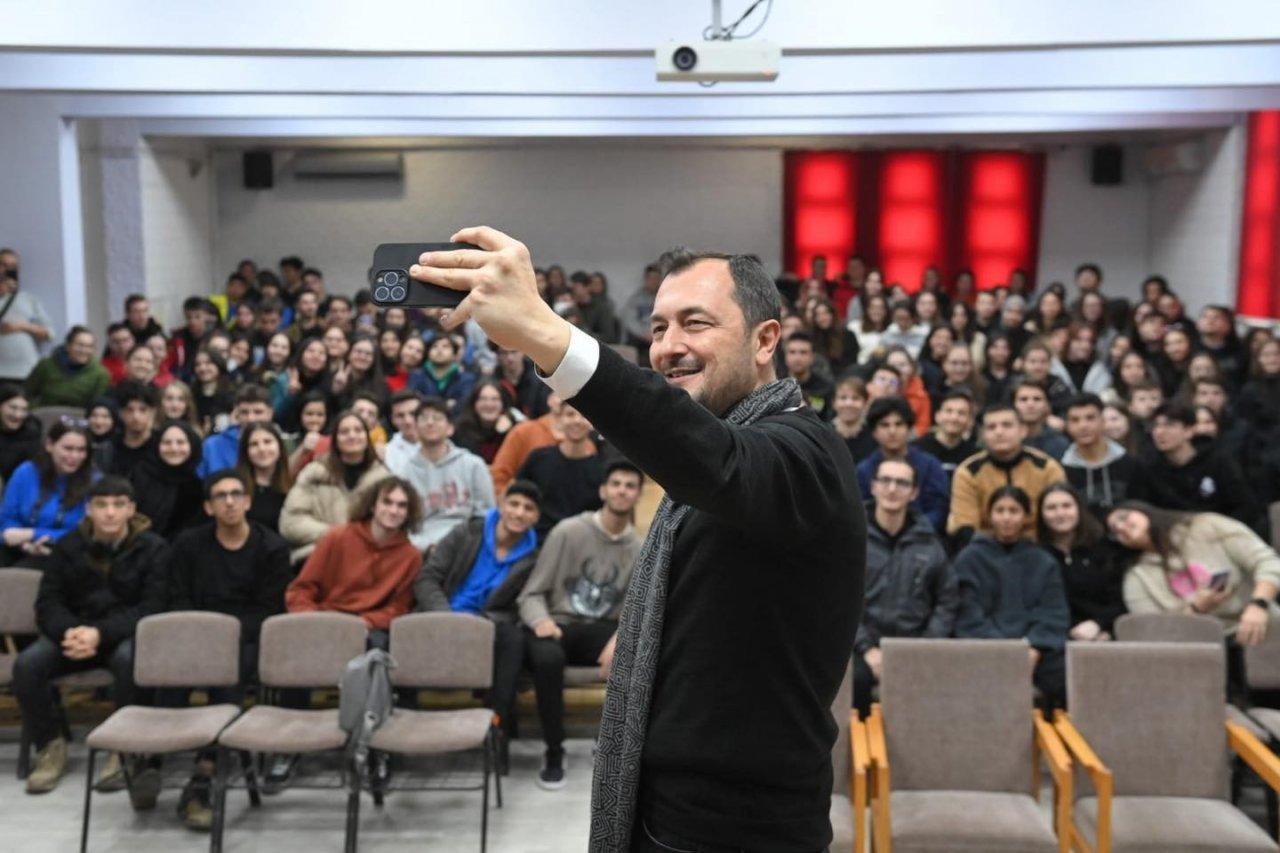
250 778
484 797
219 799
88 796
497 781
353 819
24 753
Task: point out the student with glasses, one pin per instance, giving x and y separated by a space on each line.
911 590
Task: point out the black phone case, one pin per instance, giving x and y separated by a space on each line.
397 258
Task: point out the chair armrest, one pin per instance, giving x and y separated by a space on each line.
1261 759
1049 747
859 768
881 831
1101 777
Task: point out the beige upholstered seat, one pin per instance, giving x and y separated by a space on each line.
449 651
1168 628
1156 781
18 589
955 749
266 728
582 676
50 415
180 649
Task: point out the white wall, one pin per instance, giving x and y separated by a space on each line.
1107 225
176 181
1195 223
590 207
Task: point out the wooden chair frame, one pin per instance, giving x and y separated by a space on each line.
870 775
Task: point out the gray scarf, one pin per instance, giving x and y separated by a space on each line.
615 786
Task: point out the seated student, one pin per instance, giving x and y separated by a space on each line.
252 404
361 373
119 342
816 387
1070 533
265 466
20 432
488 414
323 490
45 498
368 406
100 580
850 408
366 566
138 404
1143 400
200 317
890 420
454 483
1097 466
949 442
568 473
1179 476
1011 589
404 418
169 493
524 438
1037 364
910 588
307 376
213 391
571 603
1032 403
913 390
233 566
140 365
312 439
1211 392
516 373
103 419
443 375
480 567
1005 462
1173 560
70 375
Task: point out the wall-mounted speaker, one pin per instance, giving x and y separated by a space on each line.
1106 167
259 173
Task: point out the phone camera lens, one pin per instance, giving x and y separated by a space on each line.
397 294
390 277
684 59
382 293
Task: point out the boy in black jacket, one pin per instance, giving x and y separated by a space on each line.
101 579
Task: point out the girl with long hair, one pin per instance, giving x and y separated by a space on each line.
45 498
263 461
213 391
308 373
836 342
487 416
871 326
1076 539
178 403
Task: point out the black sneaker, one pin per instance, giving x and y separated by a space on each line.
144 784
194 806
551 776
279 773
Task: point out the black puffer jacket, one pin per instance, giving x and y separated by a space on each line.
19 445
911 590
110 592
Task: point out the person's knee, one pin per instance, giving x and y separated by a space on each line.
546 654
121 659
34 664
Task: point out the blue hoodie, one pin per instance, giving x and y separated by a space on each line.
934 500
19 509
489 572
221 450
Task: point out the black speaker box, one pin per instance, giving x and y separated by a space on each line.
1106 167
258 171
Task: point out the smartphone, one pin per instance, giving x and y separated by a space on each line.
392 285
1218 582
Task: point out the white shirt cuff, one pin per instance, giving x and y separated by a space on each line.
578 365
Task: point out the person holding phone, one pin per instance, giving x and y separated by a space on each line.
752 571
1178 560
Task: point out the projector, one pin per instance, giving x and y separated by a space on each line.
717 61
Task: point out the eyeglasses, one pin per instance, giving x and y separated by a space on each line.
228 497
887 380
895 482
67 420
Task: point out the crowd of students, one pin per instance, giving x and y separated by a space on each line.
1034 467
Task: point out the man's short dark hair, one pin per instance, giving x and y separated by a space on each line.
580 277
131 390
1144 385
621 464
960 392
312 271
753 288
406 395
133 299
995 409
915 475
271 306
370 397
112 486
251 393
885 406
193 303
1028 383
221 474
435 404
337 297
802 336
1084 401
291 261
1090 267
444 336
1176 410
524 488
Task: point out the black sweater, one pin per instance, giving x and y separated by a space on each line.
1093 585
569 486
248 583
111 592
763 601
1209 482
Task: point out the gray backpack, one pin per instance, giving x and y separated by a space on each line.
365 702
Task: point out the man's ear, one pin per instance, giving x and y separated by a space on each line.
768 334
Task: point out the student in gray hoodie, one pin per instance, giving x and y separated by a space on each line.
1098 467
571 603
454 483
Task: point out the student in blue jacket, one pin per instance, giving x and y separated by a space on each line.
45 497
1010 588
890 420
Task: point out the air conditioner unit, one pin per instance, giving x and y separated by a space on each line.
1178 158
349 164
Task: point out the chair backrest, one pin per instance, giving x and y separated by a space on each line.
1153 713
50 415
957 714
1262 662
187 648
1273 516
308 649
442 650
18 589
841 708
1168 628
